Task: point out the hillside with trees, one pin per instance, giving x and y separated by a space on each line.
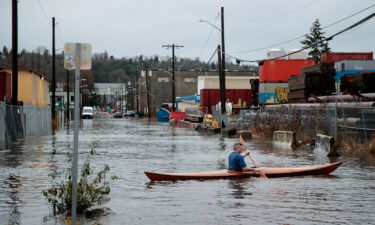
105 68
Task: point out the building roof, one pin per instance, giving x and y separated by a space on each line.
108 88
9 70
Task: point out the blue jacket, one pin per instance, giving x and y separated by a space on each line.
236 162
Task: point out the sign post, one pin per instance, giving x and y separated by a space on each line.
77 57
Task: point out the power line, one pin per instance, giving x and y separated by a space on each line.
280 15
208 37
212 56
49 20
318 42
59 33
173 46
44 12
299 37
345 18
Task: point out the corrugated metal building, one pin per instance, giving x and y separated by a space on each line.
32 87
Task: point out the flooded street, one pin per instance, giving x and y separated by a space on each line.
131 147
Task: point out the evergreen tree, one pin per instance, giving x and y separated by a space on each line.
5 51
315 40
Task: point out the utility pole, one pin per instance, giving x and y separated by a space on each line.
222 57
53 104
137 92
148 96
221 80
14 53
222 85
173 46
116 100
67 96
134 94
122 97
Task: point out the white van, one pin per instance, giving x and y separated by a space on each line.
87 112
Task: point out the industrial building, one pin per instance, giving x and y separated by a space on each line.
33 87
187 83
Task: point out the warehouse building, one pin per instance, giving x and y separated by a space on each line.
187 83
32 87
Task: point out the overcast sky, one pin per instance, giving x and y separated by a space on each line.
126 28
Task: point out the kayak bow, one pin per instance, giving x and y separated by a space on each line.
225 174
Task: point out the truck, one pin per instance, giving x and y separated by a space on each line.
87 112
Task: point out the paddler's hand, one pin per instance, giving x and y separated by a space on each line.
246 154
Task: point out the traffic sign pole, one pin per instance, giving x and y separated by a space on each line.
76 130
77 57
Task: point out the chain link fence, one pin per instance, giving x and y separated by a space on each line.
349 123
356 126
37 121
18 122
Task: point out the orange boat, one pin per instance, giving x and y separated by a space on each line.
225 174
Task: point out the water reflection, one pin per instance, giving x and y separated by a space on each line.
222 144
239 188
11 157
14 201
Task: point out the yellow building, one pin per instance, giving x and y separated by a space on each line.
32 88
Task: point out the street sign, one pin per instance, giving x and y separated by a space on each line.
70 56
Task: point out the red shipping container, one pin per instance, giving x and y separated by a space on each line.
5 86
279 70
177 116
330 57
210 97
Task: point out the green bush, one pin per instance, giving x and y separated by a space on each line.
90 188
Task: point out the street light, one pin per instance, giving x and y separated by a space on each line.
213 25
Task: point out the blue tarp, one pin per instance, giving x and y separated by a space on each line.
196 98
162 115
339 75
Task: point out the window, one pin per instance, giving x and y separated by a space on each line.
163 79
190 80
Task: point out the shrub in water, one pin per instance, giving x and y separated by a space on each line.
91 188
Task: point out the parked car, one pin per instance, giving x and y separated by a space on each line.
119 114
130 113
140 113
87 112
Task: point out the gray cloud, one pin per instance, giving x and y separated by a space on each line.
127 28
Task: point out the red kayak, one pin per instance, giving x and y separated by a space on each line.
225 174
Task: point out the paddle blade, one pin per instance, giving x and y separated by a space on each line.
242 142
262 175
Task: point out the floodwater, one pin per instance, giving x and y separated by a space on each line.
131 147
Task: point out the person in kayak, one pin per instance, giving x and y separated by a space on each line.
236 160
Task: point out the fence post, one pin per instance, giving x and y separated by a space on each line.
364 125
336 120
